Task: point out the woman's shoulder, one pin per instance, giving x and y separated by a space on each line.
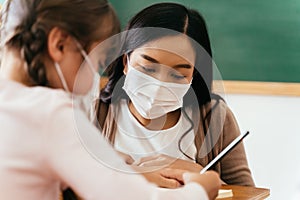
217 111
219 103
221 107
230 124
216 105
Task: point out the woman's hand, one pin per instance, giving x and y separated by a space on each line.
164 178
173 178
210 181
127 158
162 160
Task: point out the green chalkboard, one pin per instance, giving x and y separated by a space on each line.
252 40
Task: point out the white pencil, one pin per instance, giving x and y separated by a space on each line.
224 152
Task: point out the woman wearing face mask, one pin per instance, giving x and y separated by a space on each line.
43 87
163 111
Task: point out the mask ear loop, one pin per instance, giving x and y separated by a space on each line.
85 56
95 94
88 60
61 76
128 63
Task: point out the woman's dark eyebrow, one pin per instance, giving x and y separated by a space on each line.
186 66
149 58
146 57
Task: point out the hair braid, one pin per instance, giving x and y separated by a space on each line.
34 45
31 38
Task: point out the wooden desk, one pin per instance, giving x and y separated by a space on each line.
246 193
242 193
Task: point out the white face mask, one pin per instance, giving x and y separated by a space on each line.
86 102
153 98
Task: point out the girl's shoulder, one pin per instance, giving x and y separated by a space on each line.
37 98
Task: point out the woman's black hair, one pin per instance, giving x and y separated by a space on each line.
180 20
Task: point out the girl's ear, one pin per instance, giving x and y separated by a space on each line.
56 43
125 64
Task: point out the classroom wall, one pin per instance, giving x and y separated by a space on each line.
252 40
273 145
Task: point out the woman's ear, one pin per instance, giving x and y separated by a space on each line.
56 43
125 64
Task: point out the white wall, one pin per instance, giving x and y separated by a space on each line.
273 146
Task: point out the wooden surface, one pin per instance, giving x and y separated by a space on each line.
246 193
242 193
259 88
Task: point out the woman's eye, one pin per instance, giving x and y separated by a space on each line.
147 69
178 77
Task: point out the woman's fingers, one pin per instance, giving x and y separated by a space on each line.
176 174
210 181
164 179
169 183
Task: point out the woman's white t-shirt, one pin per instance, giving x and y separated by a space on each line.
136 140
